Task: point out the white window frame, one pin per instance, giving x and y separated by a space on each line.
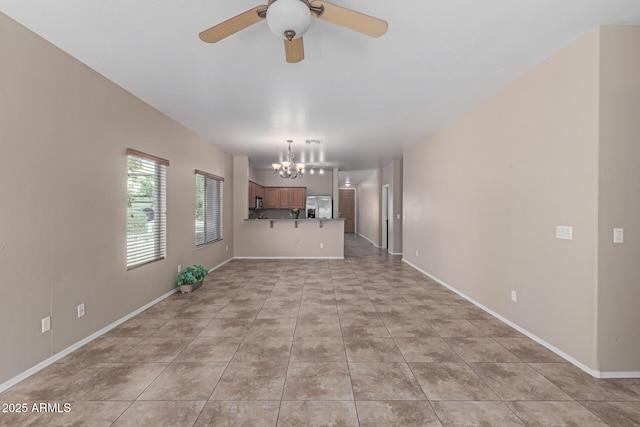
146 216
209 225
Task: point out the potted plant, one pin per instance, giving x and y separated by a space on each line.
191 278
295 212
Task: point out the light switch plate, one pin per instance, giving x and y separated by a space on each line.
564 232
618 235
46 324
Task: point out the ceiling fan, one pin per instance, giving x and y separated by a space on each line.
291 19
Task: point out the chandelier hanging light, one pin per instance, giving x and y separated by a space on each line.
289 169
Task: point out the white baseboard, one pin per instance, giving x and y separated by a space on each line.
24 375
593 372
619 374
288 257
220 265
394 253
368 239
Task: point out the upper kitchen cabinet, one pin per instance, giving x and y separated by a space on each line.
255 190
271 199
298 197
292 197
284 197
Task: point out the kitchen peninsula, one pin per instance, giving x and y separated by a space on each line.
279 235
293 238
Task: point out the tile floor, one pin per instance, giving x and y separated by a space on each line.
366 341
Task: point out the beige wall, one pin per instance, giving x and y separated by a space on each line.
241 173
368 207
619 204
253 174
392 176
335 191
256 239
63 133
482 198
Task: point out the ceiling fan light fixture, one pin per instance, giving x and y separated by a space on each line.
289 19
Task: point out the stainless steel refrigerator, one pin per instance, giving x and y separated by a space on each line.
319 207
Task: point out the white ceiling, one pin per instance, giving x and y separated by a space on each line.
365 98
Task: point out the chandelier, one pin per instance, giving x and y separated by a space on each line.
288 169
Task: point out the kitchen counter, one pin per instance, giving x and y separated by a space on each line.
292 219
295 222
291 238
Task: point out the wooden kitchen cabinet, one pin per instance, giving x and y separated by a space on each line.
255 190
292 197
298 197
271 199
259 190
284 197
252 195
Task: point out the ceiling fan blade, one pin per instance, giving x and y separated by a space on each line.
351 19
232 25
294 50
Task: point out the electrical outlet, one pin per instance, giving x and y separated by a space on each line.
227 248
564 232
46 324
321 245
179 268
416 252
514 296
80 310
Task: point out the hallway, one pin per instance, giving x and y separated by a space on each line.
365 341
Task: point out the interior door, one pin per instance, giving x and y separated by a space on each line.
347 203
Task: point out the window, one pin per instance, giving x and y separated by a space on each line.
146 208
208 208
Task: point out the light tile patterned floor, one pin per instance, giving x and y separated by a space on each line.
366 341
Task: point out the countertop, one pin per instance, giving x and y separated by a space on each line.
292 219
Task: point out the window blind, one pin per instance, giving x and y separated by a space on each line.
146 208
208 208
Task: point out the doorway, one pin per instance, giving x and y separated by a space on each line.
347 203
385 216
